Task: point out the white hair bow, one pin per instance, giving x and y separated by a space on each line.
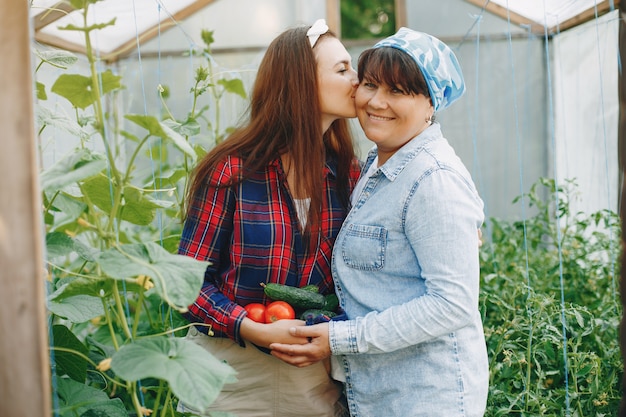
318 29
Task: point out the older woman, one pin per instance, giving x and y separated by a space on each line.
405 262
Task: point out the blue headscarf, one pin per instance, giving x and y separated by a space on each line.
437 62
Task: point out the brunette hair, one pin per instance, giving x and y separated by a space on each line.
393 67
285 116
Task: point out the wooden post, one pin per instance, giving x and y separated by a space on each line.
24 363
333 16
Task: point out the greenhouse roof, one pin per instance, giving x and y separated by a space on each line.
137 21
549 16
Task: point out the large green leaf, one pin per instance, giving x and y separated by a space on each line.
137 208
195 376
73 365
179 141
66 209
189 127
168 178
60 244
93 287
41 91
150 123
74 167
163 131
57 57
76 301
90 28
79 90
177 278
76 399
234 85
46 117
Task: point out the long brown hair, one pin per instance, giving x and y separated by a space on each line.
285 116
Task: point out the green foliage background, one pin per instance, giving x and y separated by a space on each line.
365 19
549 296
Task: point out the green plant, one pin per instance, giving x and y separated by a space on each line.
549 282
363 19
116 286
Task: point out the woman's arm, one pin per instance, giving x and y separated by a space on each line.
206 236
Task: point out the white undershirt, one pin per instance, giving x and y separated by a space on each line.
302 210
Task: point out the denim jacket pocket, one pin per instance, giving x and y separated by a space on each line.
363 247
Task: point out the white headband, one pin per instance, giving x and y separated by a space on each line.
318 29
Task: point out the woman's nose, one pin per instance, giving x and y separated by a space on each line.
355 78
377 100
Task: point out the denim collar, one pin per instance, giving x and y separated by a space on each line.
394 165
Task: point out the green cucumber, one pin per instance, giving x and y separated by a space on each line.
298 298
311 287
331 302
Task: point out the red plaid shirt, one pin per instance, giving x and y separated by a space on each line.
250 234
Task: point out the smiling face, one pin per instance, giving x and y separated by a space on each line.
391 117
337 80
392 101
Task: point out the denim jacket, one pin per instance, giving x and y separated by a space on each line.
406 270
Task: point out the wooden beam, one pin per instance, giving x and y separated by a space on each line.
400 12
538 28
46 17
587 15
515 18
128 47
333 16
24 364
59 43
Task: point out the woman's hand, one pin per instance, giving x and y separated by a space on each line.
302 355
262 334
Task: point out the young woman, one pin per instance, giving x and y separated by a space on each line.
405 262
265 206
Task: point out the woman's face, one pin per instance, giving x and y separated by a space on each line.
390 117
337 80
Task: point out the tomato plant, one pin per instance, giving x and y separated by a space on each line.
256 312
279 310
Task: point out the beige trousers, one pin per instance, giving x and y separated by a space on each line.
268 387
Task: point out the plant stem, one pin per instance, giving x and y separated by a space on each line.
157 400
132 389
107 315
138 312
120 311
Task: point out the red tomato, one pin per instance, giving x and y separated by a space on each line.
279 310
256 312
